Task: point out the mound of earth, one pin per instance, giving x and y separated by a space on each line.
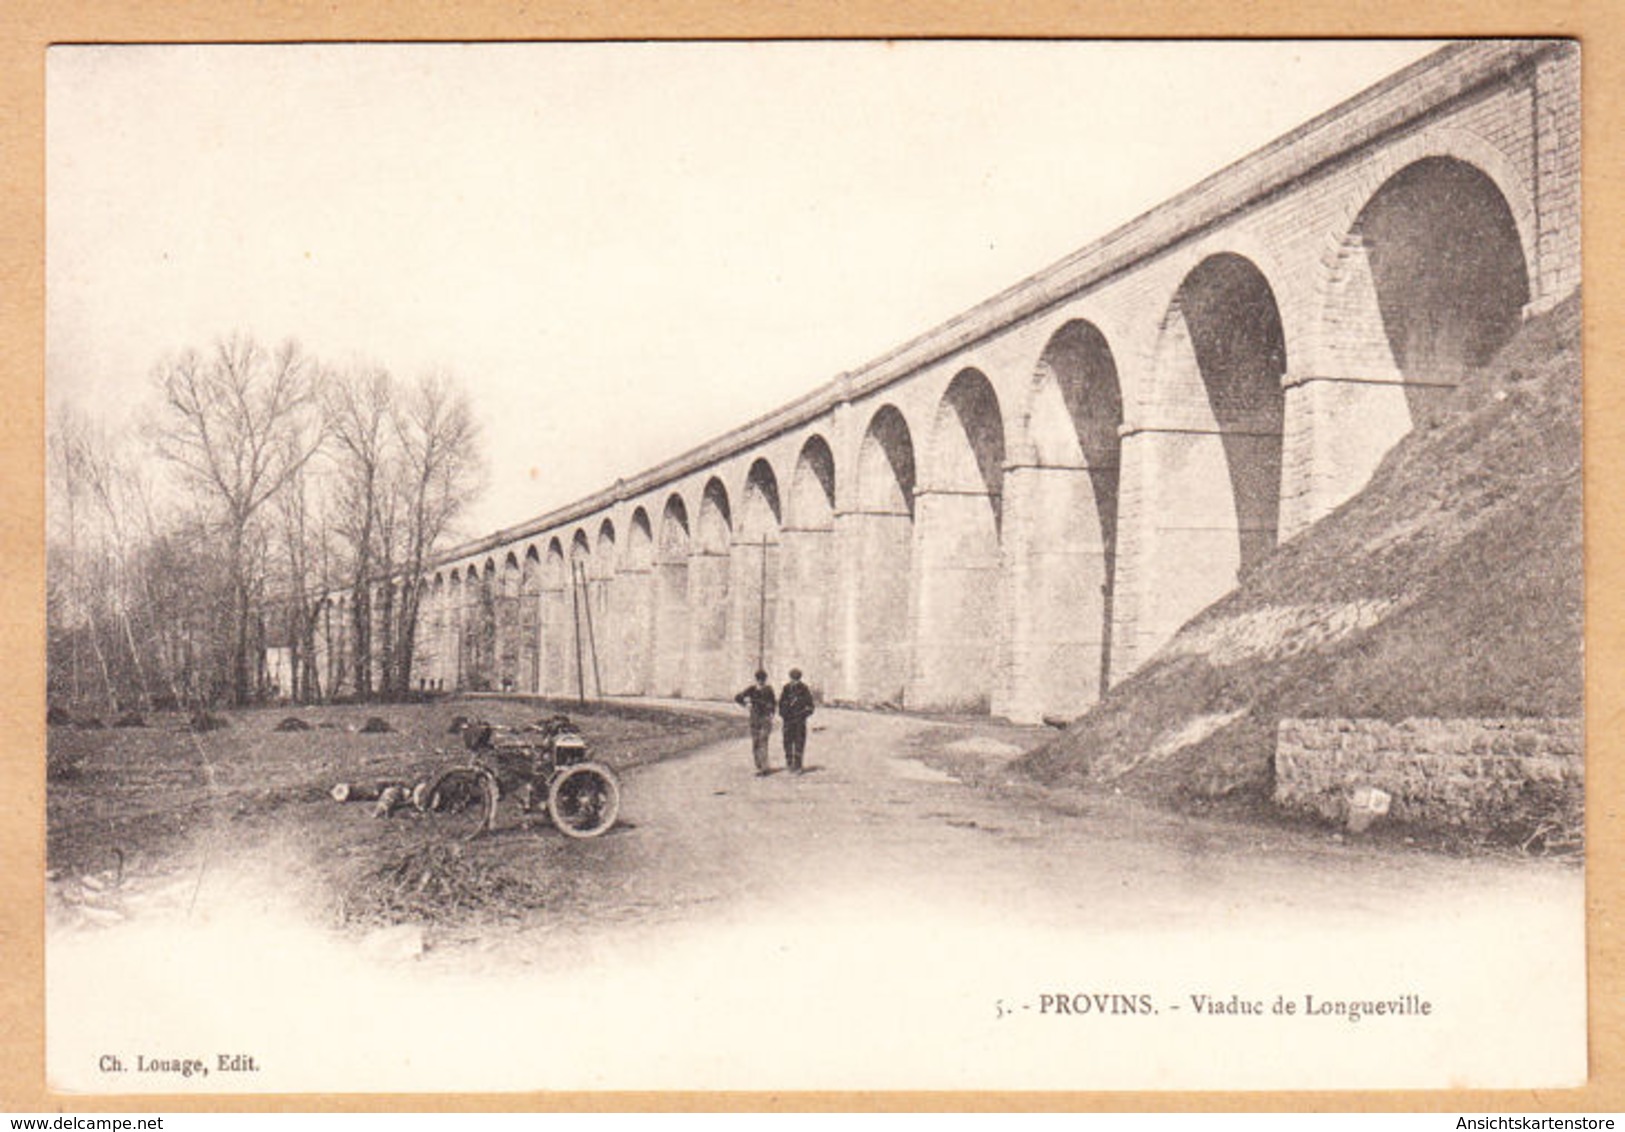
1451 586
207 721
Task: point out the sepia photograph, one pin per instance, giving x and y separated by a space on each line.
813 565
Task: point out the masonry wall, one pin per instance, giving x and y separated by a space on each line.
1477 775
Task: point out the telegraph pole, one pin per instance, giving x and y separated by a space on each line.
761 613
575 611
592 638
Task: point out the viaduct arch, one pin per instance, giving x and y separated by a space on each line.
1016 509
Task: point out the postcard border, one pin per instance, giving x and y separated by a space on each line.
36 24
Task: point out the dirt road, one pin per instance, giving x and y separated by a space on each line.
877 818
874 923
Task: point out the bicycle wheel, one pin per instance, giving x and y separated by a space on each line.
584 800
466 797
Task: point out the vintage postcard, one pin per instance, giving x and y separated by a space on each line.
993 565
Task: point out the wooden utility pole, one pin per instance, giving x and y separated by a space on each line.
575 614
592 639
761 614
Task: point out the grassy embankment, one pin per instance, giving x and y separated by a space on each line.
1451 586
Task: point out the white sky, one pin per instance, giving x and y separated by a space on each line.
622 250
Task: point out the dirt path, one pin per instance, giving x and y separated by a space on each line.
875 820
875 816
862 925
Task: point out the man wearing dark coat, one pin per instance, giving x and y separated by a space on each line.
795 705
759 698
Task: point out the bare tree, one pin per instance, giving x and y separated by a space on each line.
408 464
131 587
70 610
442 472
177 594
97 501
358 407
238 426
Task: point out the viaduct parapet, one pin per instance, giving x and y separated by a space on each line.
1019 507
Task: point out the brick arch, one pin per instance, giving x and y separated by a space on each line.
603 610
959 529
712 669
757 561
469 671
1223 336
1072 409
576 659
1025 394
714 531
1064 503
811 502
808 614
479 625
1392 338
674 534
530 624
883 542
509 641
1139 343
1318 351
886 477
553 575
967 441
555 628
433 647
669 666
1201 491
1224 277
760 510
640 540
638 600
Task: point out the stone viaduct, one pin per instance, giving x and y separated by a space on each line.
1017 508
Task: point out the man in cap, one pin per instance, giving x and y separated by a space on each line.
761 701
795 705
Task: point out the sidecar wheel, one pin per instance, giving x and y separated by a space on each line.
467 798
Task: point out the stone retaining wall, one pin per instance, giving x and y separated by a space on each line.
1493 776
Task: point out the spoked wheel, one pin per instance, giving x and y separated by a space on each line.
584 800
466 797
